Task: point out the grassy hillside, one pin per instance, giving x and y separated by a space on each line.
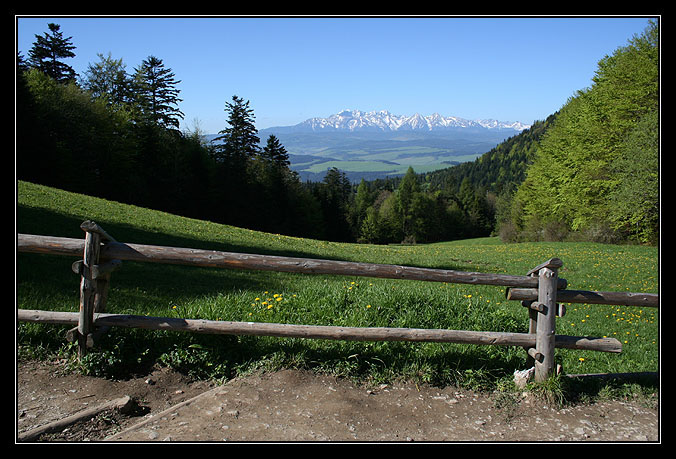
46 282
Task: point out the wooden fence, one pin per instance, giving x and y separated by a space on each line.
540 290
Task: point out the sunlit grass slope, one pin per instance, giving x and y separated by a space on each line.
47 282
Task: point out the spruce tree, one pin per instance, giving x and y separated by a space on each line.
334 196
275 153
233 153
239 141
47 52
156 93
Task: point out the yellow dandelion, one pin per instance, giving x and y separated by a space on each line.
279 298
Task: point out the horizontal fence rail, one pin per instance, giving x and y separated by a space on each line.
521 288
217 259
650 300
321 331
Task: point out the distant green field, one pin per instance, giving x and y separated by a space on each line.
353 166
47 282
391 161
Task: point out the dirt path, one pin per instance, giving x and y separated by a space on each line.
296 406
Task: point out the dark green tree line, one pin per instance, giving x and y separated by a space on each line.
115 135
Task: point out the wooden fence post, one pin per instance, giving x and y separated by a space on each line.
546 319
94 282
88 290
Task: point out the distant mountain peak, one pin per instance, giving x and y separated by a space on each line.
383 120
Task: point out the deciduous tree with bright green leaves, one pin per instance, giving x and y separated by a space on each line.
108 79
574 178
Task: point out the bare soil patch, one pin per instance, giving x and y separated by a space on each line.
298 406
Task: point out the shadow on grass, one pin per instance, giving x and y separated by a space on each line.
640 385
51 273
42 221
126 353
49 223
48 274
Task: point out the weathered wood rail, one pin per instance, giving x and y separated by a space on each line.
100 254
319 331
216 259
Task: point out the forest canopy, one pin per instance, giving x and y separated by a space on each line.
595 171
589 171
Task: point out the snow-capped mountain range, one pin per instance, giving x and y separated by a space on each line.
377 144
382 120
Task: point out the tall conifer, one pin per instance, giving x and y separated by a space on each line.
275 152
156 93
239 141
47 52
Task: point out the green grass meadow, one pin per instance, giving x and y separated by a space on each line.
46 282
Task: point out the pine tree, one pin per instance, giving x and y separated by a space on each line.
334 196
156 93
275 153
240 140
234 151
47 51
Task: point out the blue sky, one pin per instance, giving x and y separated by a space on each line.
291 69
